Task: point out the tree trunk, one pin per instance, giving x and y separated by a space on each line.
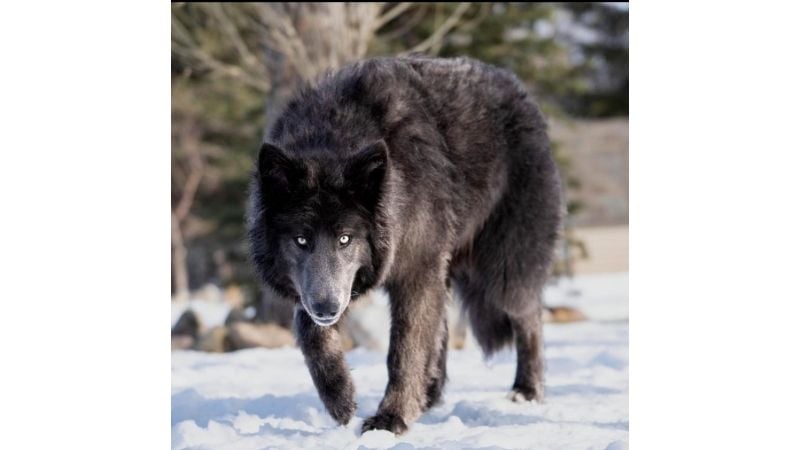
180 274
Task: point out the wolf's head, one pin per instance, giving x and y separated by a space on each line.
313 227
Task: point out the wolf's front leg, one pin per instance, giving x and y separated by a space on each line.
322 350
417 316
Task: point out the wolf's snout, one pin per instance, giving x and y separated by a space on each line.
326 309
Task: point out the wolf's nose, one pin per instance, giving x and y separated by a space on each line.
325 309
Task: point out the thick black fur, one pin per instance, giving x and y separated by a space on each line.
441 171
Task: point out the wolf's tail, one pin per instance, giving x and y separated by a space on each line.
491 327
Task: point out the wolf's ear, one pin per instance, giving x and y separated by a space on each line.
366 171
277 172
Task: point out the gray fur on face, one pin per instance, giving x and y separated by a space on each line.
440 171
325 277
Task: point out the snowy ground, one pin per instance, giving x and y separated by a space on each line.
255 399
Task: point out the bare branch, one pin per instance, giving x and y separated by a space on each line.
366 15
284 39
192 184
483 13
407 25
389 15
179 270
232 32
312 38
184 45
435 39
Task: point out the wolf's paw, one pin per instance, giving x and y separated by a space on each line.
340 402
385 421
520 394
342 410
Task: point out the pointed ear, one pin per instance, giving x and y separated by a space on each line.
277 172
366 171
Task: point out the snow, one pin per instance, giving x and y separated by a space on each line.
258 398
602 297
212 314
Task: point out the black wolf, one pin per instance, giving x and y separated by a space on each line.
415 174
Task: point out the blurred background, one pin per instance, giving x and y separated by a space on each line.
235 65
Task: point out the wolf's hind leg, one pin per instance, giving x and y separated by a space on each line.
529 380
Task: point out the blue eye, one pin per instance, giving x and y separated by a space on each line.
344 240
301 241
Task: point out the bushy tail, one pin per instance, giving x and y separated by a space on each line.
491 327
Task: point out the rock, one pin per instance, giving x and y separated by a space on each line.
217 340
249 335
182 342
236 315
562 314
187 325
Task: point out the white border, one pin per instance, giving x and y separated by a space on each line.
85 114
714 225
